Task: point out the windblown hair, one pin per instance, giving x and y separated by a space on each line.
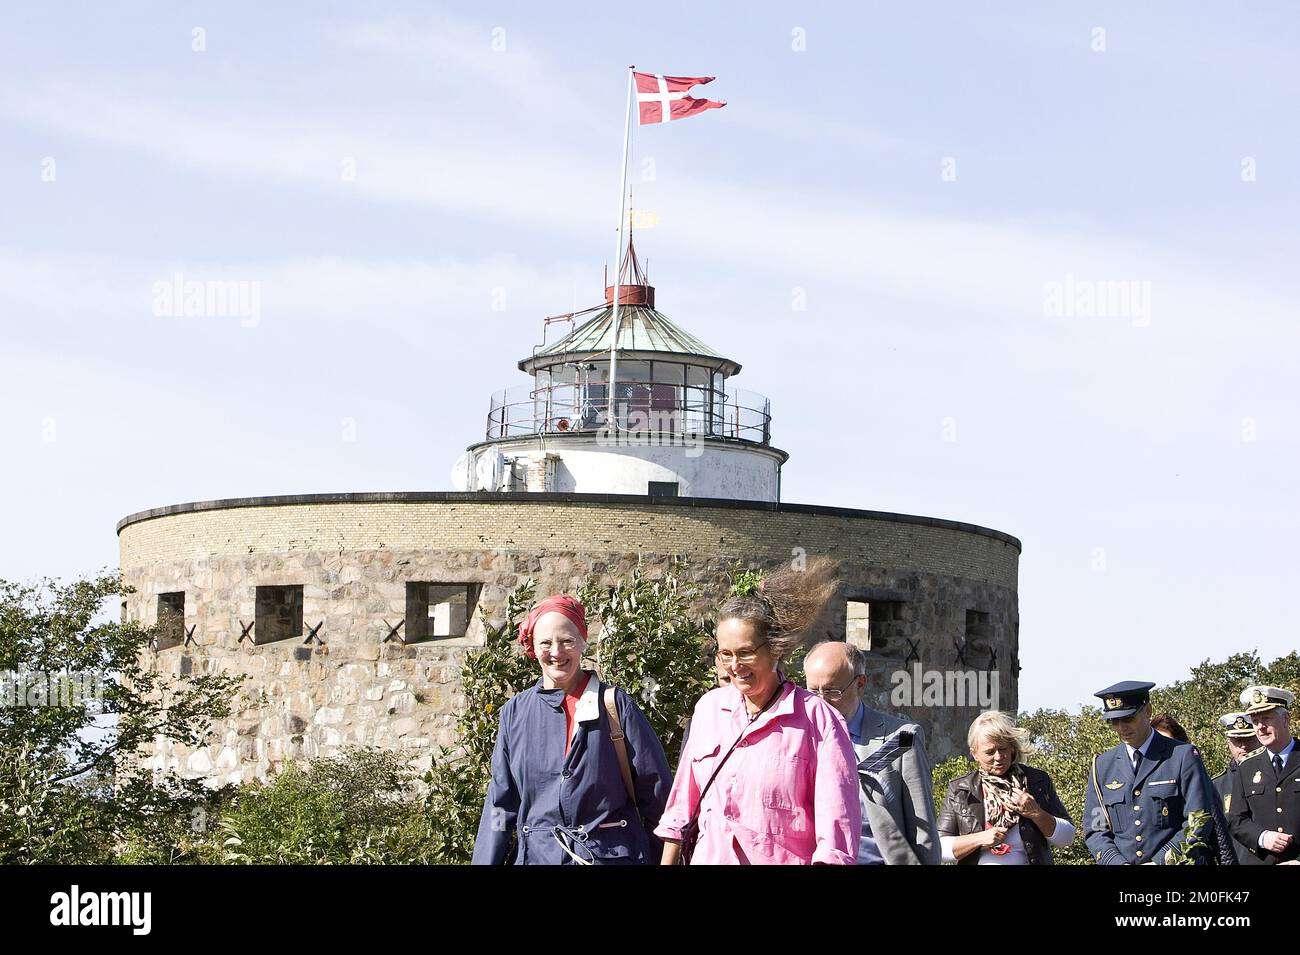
999 728
787 604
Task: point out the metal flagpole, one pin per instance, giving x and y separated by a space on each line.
618 251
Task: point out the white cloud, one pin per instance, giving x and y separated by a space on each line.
464 59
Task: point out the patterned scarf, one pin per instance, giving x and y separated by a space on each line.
998 790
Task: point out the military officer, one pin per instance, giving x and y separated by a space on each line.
1240 735
1142 790
1264 810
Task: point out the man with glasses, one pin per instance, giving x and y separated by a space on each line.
898 825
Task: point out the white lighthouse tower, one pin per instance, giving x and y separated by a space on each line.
679 427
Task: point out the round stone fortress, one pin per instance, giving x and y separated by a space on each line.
351 614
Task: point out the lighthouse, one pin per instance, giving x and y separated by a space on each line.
675 424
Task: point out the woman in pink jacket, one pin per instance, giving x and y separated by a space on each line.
768 773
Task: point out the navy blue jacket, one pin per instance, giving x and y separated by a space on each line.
1139 820
546 801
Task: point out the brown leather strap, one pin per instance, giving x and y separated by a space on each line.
620 747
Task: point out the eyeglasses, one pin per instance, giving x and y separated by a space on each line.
832 693
545 645
745 657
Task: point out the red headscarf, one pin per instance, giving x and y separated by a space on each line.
560 603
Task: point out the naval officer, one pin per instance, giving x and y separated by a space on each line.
1141 791
1264 809
1240 734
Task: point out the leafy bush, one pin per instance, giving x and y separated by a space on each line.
354 807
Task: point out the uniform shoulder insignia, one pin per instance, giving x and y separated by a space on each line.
1227 803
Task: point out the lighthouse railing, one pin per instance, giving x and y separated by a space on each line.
639 407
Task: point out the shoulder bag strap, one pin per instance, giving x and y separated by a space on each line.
620 746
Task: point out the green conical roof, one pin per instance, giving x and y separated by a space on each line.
643 332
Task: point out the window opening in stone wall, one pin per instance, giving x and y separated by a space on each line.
279 613
663 489
857 623
875 625
437 610
171 620
978 629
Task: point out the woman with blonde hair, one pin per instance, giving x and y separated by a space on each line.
1005 812
768 775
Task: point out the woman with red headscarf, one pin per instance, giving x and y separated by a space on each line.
572 783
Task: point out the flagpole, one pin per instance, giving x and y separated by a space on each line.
618 251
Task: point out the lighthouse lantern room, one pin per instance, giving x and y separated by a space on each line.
678 427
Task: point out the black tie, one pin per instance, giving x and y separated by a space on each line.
1277 764
1137 759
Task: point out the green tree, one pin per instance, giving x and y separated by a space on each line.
71 786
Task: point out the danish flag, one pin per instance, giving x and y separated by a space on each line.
661 99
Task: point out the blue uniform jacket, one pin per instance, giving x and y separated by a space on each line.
1140 819
545 800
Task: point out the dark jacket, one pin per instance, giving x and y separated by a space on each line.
1222 784
541 799
1263 799
963 813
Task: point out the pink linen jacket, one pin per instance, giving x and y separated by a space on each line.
787 796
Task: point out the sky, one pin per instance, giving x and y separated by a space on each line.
901 225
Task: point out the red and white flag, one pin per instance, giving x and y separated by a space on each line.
661 99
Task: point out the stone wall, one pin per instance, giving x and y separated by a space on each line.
354 554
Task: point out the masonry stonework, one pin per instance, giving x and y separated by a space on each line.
353 555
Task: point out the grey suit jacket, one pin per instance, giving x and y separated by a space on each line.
899 805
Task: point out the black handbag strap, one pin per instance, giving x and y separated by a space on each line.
699 805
